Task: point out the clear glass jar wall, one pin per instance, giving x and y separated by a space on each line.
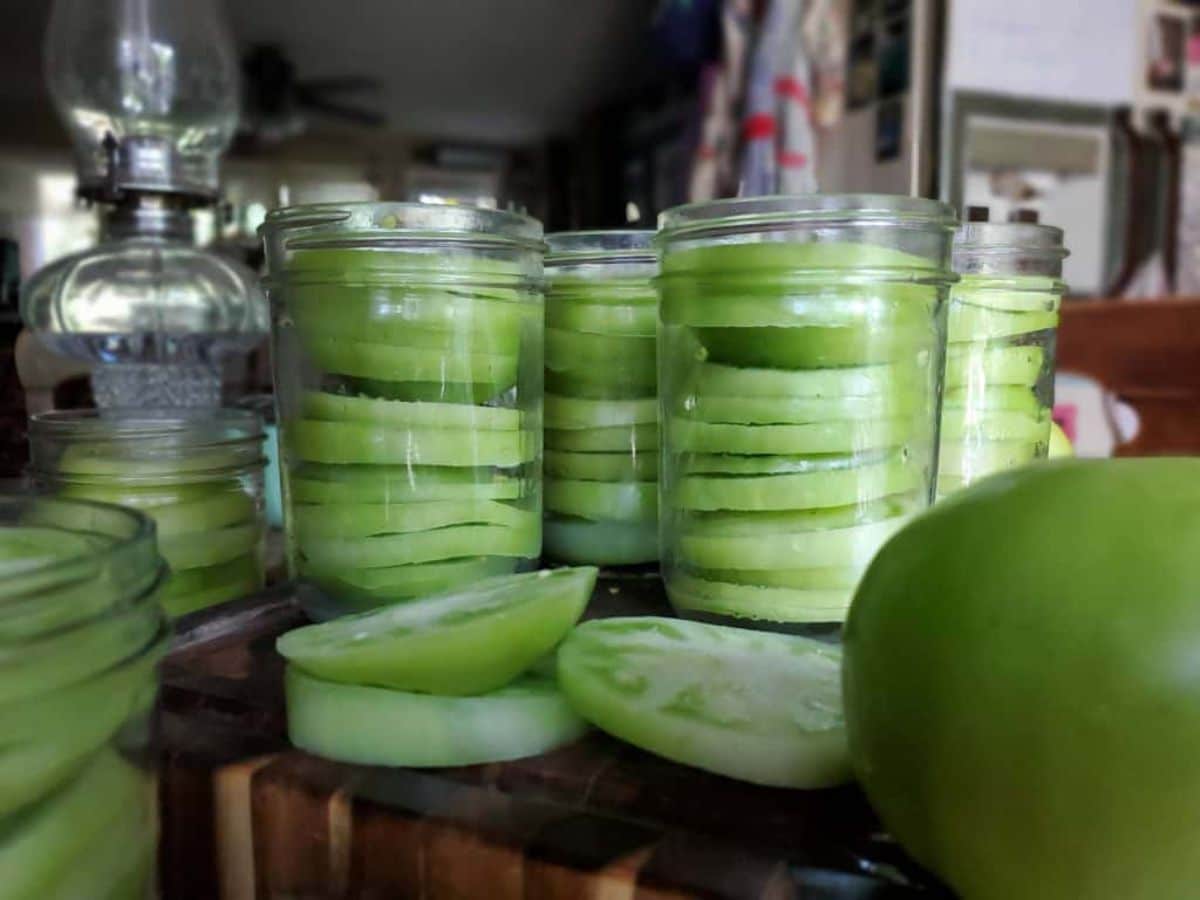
81 634
601 412
799 358
408 370
198 474
1003 318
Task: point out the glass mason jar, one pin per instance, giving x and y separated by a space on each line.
1001 326
799 363
197 473
601 412
408 373
81 634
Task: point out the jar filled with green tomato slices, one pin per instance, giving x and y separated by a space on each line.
1001 328
81 634
601 408
197 473
408 371
799 368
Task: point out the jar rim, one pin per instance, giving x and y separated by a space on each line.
620 245
223 426
747 213
1029 238
330 224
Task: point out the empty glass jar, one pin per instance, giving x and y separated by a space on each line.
1002 322
408 360
601 412
81 634
197 473
799 360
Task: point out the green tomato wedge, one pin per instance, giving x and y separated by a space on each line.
712 379
770 440
996 425
798 410
618 319
764 708
385 727
746 601
363 443
340 408
783 541
637 439
799 490
468 641
1009 397
578 412
601 543
346 520
330 556
315 483
372 587
973 323
190 551
600 466
980 363
628 501
387 363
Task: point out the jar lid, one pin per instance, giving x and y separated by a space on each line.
773 212
620 246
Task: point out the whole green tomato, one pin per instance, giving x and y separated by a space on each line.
1022 683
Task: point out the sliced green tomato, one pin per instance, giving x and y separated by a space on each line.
995 425
980 363
361 443
29 547
814 579
192 589
347 520
616 319
732 464
974 323
752 257
329 556
1013 398
816 437
747 601
465 272
965 458
628 360
468 641
765 708
219 509
815 346
48 839
601 466
143 497
118 863
191 551
638 439
600 543
340 408
849 315
784 541
372 587
600 383
712 379
798 490
1020 293
387 363
315 483
798 410
578 412
468 393
385 727
628 501
158 460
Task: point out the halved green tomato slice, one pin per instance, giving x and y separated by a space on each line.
621 501
747 601
799 490
192 589
316 483
798 410
219 509
1009 397
977 459
817 346
979 363
190 551
733 464
975 323
765 708
362 443
341 408
996 425
625 466
770 440
467 641
1019 293
623 319
385 727
600 543
347 520
372 587
387 363
713 379
629 360
329 556
143 497
635 439
578 412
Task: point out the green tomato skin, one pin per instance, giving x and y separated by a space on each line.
1021 684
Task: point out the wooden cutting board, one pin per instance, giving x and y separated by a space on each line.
244 815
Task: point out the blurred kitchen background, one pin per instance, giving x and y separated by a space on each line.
601 113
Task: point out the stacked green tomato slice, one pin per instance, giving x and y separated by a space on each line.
601 414
996 407
412 446
799 385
